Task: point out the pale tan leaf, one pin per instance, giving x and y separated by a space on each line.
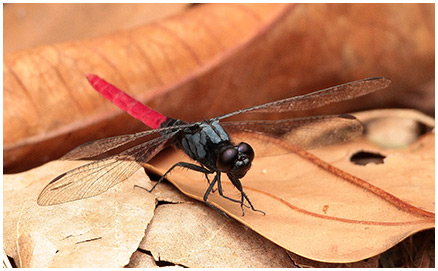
195 235
102 231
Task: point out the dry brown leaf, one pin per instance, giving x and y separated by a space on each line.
102 231
56 24
231 55
46 91
321 216
195 235
416 251
306 263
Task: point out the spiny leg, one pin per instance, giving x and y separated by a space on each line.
239 187
209 190
250 204
219 187
184 165
209 182
210 187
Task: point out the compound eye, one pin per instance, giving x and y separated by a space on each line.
226 158
246 149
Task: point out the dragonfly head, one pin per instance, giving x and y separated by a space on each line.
235 160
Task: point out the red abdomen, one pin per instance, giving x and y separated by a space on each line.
125 102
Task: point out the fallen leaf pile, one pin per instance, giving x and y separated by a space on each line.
324 207
309 211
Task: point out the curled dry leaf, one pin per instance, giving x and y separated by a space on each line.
102 231
399 128
322 206
231 55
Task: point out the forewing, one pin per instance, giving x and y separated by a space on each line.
97 177
318 98
306 133
100 146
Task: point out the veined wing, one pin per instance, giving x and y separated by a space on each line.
306 133
97 177
100 146
318 98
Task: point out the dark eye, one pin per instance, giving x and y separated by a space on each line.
246 149
225 160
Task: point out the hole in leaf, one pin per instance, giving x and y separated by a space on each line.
364 157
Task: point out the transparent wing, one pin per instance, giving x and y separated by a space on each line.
100 146
318 98
306 133
97 177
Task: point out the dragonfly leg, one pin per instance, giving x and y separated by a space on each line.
217 179
238 185
219 185
209 190
250 204
184 165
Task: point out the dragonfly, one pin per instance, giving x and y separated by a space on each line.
208 143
